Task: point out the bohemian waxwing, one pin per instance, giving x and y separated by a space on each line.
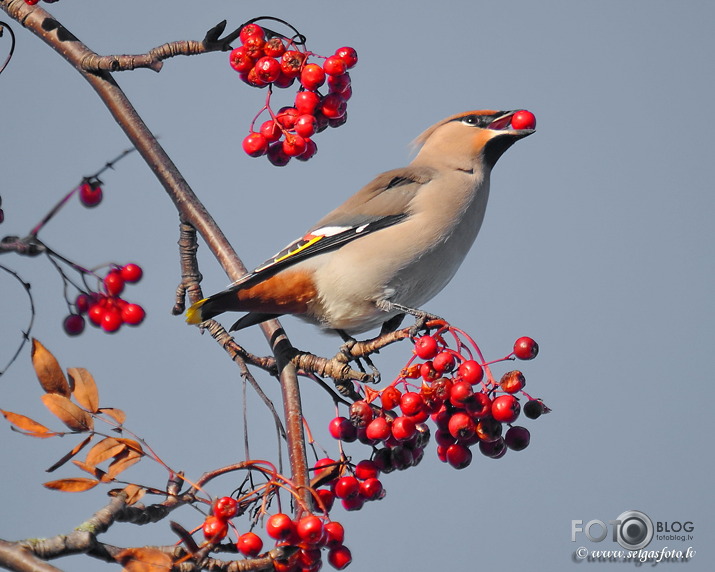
390 247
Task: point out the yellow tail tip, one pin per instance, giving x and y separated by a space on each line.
193 314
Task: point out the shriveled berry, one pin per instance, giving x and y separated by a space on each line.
512 381
533 409
479 406
360 413
489 429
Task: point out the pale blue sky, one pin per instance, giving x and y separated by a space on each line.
597 242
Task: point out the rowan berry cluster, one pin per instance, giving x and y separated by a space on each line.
265 58
106 309
457 393
310 534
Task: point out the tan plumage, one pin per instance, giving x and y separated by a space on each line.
390 247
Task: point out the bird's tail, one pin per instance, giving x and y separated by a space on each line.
210 307
194 315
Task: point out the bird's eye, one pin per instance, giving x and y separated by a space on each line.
472 120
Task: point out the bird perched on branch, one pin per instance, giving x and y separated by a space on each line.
390 247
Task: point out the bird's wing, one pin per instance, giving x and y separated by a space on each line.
380 204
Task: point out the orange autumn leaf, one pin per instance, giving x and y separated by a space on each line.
105 449
70 414
144 560
122 462
134 493
48 370
131 444
76 485
76 449
85 389
28 426
117 414
94 471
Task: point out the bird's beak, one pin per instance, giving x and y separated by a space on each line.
502 122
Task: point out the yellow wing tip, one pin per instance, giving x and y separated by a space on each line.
193 314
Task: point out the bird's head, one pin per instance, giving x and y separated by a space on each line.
473 138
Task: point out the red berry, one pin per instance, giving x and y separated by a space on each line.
114 283
526 348
271 131
306 102
255 144
378 429
371 489
461 426
366 469
294 145
360 413
333 106
461 393
479 406
276 154
327 498
346 487
310 529
96 314
339 83
390 397
111 320
291 63
428 372
523 120
250 30
254 46
31 2
73 325
306 125
340 557
249 544
444 437
287 116
310 149
312 76
131 272
215 529
82 303
90 193
494 449
341 428
517 438
458 456
334 65
283 80
348 55
279 526
268 69
335 532
403 428
512 381
426 347
133 314
240 60
324 463
505 408
443 362
470 371
411 403
225 508
274 48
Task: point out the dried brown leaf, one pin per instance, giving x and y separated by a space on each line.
48 370
70 414
105 449
76 449
144 560
117 414
122 462
76 485
84 388
94 471
27 425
